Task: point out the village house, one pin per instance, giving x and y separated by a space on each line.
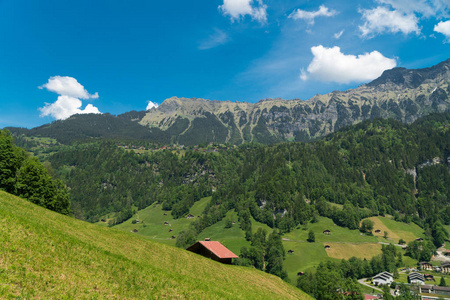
214 250
445 267
434 289
416 278
383 278
425 266
429 277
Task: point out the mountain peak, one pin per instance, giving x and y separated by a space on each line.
412 78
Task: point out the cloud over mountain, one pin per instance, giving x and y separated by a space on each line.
380 20
331 65
444 28
68 103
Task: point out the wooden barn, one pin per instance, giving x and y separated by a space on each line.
214 250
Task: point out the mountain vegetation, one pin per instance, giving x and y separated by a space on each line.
45 255
400 94
377 167
25 176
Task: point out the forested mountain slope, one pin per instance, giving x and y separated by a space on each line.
45 255
401 94
374 168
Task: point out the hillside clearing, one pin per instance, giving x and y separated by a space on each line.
348 250
395 230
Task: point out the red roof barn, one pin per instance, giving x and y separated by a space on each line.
214 250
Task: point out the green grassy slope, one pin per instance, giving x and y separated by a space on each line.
49 256
306 255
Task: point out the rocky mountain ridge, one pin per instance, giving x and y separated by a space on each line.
399 93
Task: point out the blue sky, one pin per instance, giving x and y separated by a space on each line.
63 57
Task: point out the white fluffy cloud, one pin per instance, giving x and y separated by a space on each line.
444 28
236 9
309 16
67 86
66 106
331 65
68 103
151 105
381 19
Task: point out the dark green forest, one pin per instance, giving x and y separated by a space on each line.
377 167
25 176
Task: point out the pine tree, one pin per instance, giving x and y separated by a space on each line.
442 283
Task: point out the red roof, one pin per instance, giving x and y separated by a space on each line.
218 249
369 297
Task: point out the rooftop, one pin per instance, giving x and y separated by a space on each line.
218 249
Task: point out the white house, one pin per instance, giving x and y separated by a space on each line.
383 278
416 278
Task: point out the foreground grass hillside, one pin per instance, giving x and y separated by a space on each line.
49 256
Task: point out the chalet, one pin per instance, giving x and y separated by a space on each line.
383 278
445 267
190 216
290 251
425 266
416 278
207 239
327 246
327 232
166 223
419 239
447 253
214 250
434 289
429 277
170 230
300 273
378 231
427 289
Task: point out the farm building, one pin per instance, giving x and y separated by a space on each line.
378 231
383 278
214 250
425 265
429 277
445 267
433 289
327 232
416 278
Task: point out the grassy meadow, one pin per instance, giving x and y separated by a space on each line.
344 242
45 255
